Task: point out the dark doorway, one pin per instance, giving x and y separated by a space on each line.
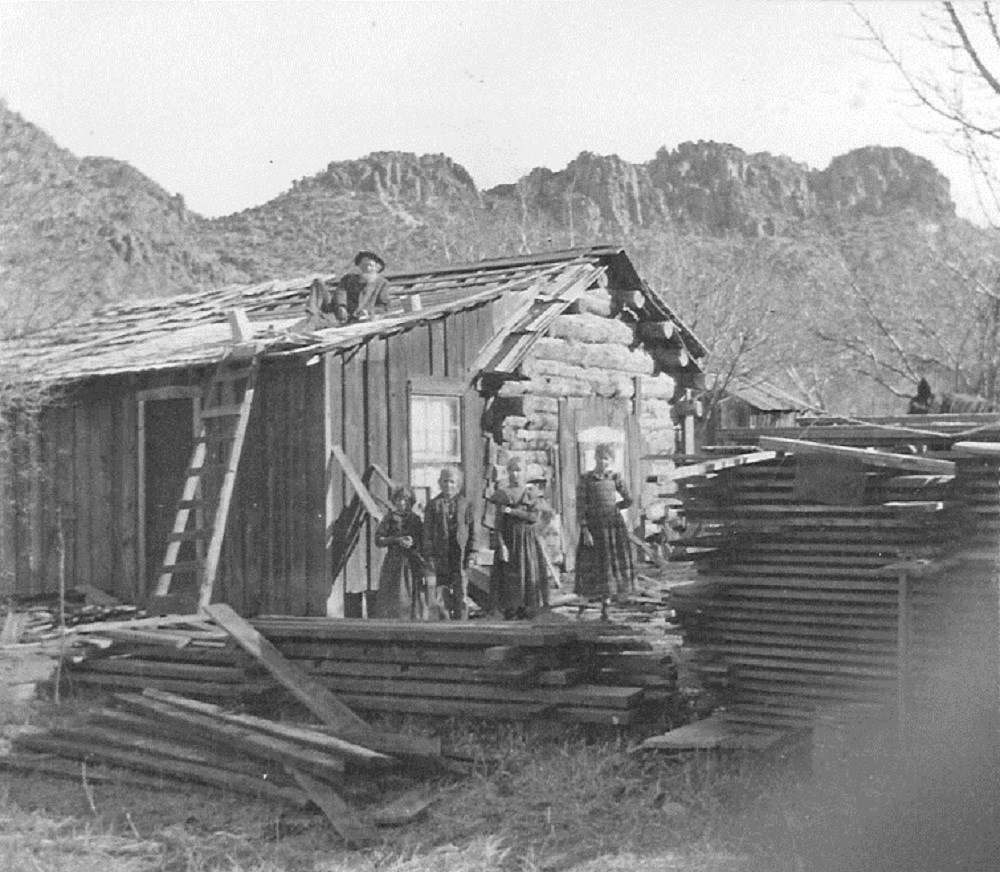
168 427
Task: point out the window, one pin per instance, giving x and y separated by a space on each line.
435 440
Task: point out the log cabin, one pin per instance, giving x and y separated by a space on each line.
539 356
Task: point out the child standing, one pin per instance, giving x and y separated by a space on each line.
401 592
449 540
604 563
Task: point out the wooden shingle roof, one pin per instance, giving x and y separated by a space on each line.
191 329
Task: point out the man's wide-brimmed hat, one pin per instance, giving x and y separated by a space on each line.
371 255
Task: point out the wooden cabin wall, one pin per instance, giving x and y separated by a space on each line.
367 405
78 473
275 556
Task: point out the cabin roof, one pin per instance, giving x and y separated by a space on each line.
762 395
192 329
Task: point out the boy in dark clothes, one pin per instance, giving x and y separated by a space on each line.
449 540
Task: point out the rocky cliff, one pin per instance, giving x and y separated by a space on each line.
720 189
75 230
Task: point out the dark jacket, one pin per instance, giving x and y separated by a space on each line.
353 296
440 536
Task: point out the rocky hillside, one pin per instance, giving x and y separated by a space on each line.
719 189
757 251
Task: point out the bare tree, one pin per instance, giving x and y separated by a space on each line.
962 91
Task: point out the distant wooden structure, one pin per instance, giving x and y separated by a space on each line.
503 357
748 404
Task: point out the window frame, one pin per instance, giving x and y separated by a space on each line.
430 388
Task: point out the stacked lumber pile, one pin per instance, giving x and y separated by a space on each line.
186 654
797 604
165 734
576 671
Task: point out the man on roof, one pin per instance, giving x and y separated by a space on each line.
358 295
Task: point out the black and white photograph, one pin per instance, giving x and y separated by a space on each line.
500 436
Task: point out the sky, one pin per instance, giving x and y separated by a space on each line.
228 103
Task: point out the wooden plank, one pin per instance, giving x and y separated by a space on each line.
399 414
980 449
312 695
180 769
208 689
370 503
345 821
377 428
438 353
911 463
356 754
710 467
594 695
482 633
81 492
334 394
297 544
239 738
354 448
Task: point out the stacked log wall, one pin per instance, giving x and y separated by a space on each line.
585 354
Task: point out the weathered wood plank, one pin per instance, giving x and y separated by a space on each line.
310 693
313 695
335 480
355 448
345 821
907 462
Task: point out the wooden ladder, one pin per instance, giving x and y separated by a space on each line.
211 476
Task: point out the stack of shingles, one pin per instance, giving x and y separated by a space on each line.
794 610
573 671
164 734
185 654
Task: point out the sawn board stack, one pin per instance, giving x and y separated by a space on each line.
803 606
577 671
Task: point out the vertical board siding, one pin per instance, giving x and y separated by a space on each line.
398 411
335 475
355 447
317 565
377 430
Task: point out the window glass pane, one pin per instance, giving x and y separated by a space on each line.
435 440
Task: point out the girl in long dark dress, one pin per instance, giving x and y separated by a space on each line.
604 562
519 586
401 591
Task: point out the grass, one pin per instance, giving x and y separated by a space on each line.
542 798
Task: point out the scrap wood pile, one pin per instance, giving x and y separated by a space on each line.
162 734
577 671
827 571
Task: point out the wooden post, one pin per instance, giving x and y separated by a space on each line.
689 422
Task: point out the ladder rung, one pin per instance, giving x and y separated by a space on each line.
221 411
189 567
214 438
210 468
190 536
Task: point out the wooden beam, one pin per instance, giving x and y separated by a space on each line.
320 701
907 462
352 829
987 449
696 470
369 502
